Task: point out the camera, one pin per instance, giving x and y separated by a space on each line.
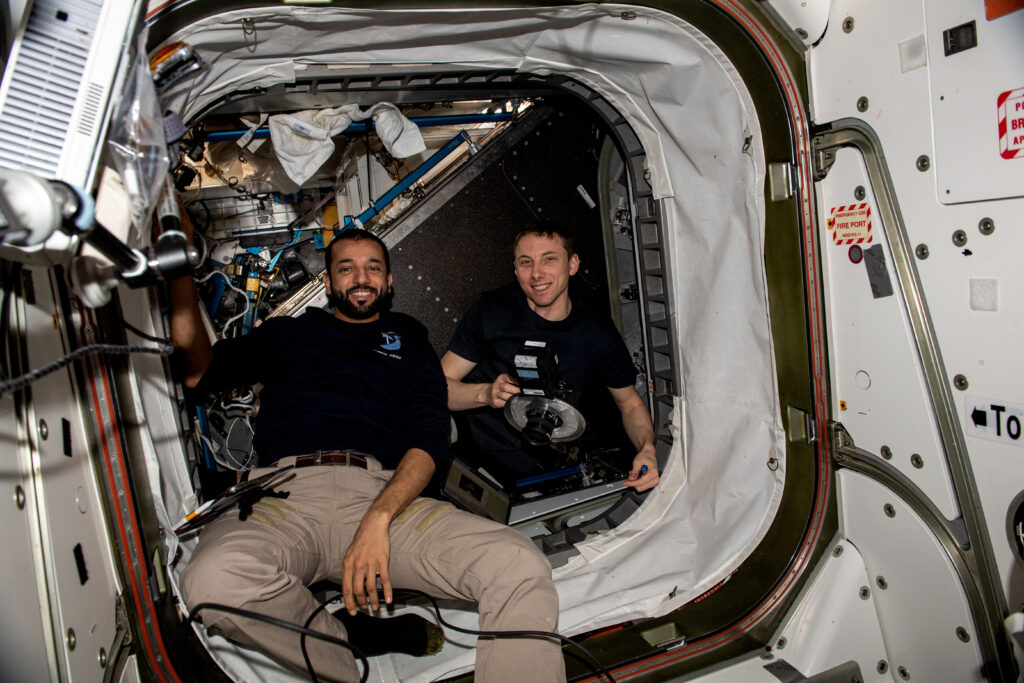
543 412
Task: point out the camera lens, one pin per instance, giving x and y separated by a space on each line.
540 424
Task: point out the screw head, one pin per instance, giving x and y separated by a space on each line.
859 193
628 16
962 634
44 430
960 382
959 238
923 163
864 592
103 658
837 551
882 666
882 583
19 497
847 24
922 251
802 34
781 644
886 452
890 511
904 673
917 461
986 226
862 104
71 639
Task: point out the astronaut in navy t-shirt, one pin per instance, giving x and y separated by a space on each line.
590 353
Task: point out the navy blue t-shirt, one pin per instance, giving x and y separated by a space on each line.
375 387
591 357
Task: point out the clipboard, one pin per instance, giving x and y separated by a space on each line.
214 508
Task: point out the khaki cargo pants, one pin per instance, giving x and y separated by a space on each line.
265 563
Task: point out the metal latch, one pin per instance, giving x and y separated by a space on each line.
802 427
781 180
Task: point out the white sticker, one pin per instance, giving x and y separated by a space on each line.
994 420
1010 106
850 224
586 196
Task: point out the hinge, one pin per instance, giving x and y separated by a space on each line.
802 427
114 661
823 158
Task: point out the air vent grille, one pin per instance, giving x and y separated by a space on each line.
91 109
45 78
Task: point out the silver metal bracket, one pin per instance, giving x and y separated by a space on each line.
114 661
781 180
822 157
841 442
802 427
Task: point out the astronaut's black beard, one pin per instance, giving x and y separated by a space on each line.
378 304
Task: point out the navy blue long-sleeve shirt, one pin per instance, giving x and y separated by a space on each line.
375 387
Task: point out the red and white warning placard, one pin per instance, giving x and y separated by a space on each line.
1010 105
850 224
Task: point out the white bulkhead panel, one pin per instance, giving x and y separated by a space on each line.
976 78
926 621
75 582
888 69
806 19
878 386
832 625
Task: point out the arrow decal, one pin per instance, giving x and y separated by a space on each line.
980 417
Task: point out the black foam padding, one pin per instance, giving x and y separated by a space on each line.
465 247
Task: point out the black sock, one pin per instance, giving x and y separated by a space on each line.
409 633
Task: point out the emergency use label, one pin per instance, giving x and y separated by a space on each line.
850 224
995 420
1010 108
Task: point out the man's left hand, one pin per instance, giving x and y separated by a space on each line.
366 559
643 480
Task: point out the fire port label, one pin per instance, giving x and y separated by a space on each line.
1010 106
850 224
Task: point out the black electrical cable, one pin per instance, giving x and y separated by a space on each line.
596 666
304 631
281 623
148 337
25 380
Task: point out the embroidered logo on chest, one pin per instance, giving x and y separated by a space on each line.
392 341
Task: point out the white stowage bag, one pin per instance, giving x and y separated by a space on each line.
303 141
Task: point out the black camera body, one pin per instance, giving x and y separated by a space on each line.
543 411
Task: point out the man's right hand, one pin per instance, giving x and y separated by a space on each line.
501 390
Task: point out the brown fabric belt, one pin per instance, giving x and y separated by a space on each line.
345 458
